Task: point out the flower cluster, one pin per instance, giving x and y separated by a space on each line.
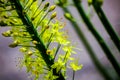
34 29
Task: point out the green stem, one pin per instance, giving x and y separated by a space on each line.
58 47
73 75
107 24
41 19
88 47
34 35
98 37
37 8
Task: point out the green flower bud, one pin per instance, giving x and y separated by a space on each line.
14 44
7 33
23 49
24 34
34 42
23 12
30 53
5 16
15 34
61 2
48 52
46 6
2 23
46 26
90 2
52 8
53 15
12 23
68 16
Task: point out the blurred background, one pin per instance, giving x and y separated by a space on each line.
9 57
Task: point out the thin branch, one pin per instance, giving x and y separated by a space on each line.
107 24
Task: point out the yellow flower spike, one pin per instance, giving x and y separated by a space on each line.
7 33
52 8
33 61
53 15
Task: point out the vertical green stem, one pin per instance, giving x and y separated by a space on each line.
58 47
107 24
98 37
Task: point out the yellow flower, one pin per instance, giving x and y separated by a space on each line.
75 66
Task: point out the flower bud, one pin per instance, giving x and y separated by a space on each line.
5 16
90 2
14 44
48 52
2 23
30 53
46 26
23 49
68 16
46 6
34 42
52 8
53 15
7 33
15 34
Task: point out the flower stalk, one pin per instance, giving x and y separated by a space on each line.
106 24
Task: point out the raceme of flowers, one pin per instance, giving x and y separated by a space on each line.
34 29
